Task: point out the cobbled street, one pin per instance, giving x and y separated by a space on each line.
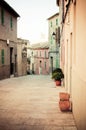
31 103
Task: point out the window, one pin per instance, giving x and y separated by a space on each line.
56 21
11 22
45 65
32 53
51 24
58 32
37 53
45 54
68 20
63 11
2 16
40 63
40 53
2 56
51 40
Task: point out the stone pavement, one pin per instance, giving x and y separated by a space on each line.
31 103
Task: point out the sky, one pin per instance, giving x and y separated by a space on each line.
33 23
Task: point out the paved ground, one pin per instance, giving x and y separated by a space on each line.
31 103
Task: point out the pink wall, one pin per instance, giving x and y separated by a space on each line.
41 61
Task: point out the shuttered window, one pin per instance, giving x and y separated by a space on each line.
40 53
63 11
2 56
2 16
56 21
51 24
51 40
11 22
45 54
45 65
58 36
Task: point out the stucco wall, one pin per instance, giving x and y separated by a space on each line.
19 58
6 31
74 41
4 68
43 59
22 57
79 99
79 67
52 26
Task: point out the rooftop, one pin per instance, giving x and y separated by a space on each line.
43 45
57 2
53 16
5 5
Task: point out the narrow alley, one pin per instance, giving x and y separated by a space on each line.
31 103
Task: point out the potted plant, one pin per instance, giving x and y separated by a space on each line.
57 75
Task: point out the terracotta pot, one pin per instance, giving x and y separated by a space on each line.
64 105
64 96
58 83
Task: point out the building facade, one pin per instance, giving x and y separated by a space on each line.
40 58
73 37
54 31
8 40
22 63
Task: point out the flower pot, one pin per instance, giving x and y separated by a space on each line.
64 96
58 83
64 105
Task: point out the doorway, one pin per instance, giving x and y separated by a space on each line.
66 76
70 63
11 62
15 63
40 67
32 68
51 64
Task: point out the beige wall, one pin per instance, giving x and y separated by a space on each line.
73 40
68 41
19 59
79 100
79 66
75 62
22 56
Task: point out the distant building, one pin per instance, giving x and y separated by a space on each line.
8 40
53 39
40 58
22 63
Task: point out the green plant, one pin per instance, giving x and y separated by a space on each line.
57 74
